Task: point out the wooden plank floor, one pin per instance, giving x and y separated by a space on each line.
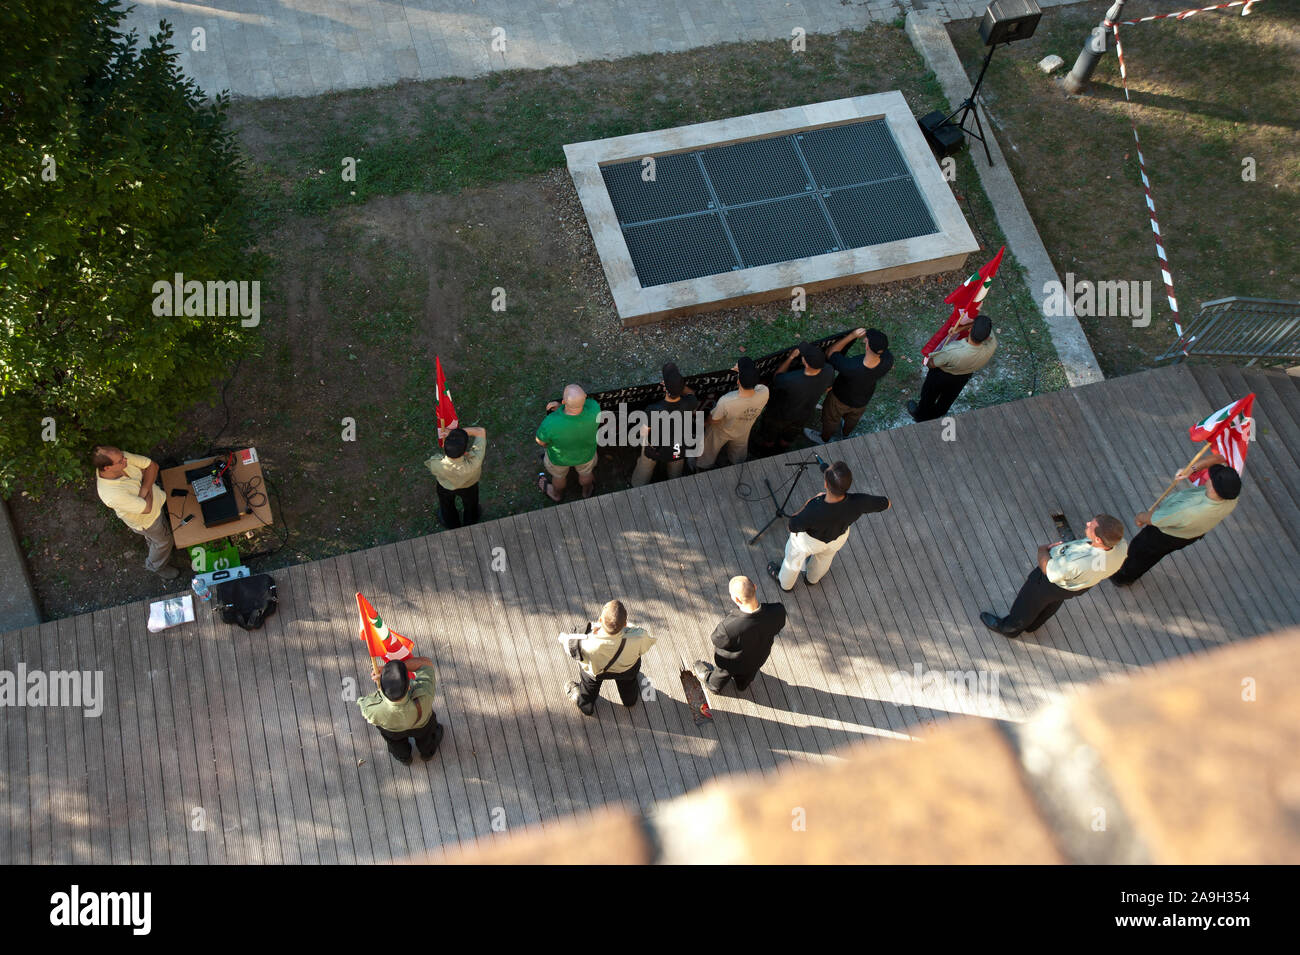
217 745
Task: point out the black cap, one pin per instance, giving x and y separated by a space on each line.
1226 481
813 355
673 380
877 340
456 442
981 328
747 372
394 680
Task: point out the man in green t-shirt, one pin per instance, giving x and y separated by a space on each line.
568 434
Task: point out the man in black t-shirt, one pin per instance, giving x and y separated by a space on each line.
664 439
794 396
743 639
855 383
821 527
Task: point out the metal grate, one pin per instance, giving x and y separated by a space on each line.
674 250
780 231
756 170
880 212
765 201
848 155
677 188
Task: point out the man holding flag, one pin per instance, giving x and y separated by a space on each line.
457 467
402 709
960 348
458 464
1183 517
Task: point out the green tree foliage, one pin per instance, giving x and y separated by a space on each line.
116 172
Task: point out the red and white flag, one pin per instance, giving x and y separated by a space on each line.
965 301
446 411
1228 430
381 642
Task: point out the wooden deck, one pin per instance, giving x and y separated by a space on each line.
254 730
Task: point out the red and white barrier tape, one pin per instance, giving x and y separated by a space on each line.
1151 203
1142 163
1184 14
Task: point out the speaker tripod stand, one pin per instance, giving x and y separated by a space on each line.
967 109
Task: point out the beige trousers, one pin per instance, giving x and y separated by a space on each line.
803 548
159 536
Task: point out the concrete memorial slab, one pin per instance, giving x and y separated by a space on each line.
744 210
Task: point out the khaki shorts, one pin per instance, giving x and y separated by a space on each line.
560 471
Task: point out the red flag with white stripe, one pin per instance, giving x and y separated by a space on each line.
1228 431
965 300
445 410
381 642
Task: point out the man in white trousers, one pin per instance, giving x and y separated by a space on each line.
821 527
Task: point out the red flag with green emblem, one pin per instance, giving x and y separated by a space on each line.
965 301
1228 430
381 642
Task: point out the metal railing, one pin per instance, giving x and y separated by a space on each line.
1261 329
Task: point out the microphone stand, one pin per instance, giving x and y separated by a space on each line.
800 467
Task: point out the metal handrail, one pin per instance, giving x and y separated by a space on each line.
1261 329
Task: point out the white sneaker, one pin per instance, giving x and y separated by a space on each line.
813 436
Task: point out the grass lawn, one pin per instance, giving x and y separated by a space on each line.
1209 92
460 190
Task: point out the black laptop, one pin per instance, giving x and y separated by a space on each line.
215 493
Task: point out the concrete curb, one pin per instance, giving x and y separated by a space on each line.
18 606
928 35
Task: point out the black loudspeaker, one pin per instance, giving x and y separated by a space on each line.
1008 20
945 139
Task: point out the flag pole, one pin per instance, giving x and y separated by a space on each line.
1174 484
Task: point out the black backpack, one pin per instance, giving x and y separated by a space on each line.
246 601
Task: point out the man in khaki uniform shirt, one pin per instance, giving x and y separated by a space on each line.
126 483
1064 570
733 417
610 650
402 708
951 367
1183 518
458 465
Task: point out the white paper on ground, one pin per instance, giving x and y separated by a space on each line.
170 612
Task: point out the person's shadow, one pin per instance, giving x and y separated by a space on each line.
774 693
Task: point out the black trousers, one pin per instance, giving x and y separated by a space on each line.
938 393
399 744
721 676
776 432
629 687
447 505
1146 550
1037 602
